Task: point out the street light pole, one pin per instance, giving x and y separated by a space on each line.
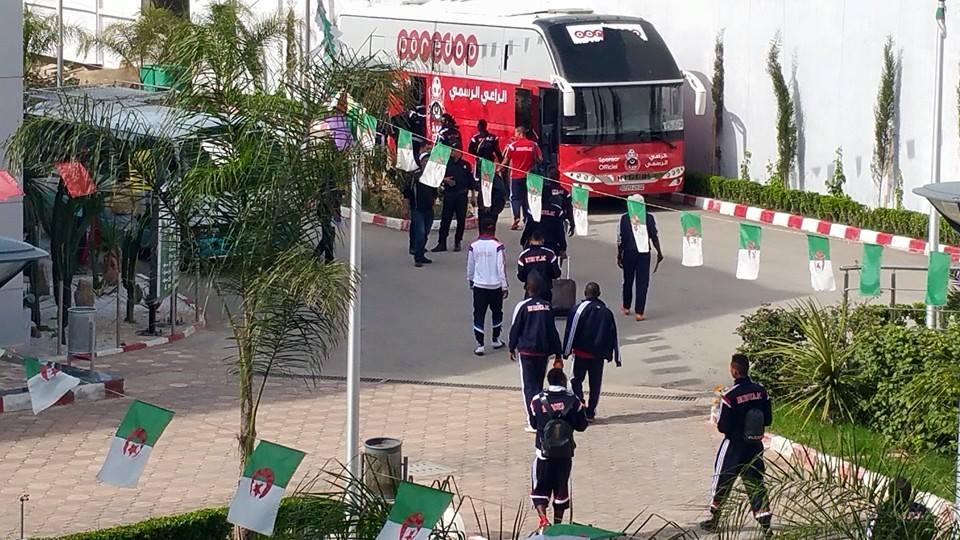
353 335
933 227
60 43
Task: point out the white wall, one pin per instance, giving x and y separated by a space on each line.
13 328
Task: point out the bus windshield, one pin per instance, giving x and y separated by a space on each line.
624 114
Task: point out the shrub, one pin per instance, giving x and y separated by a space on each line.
814 205
758 331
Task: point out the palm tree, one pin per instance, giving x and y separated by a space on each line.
40 38
140 42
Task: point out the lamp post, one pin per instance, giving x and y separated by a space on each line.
933 226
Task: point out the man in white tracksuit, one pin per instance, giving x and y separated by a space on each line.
487 276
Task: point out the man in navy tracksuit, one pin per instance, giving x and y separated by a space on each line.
533 338
551 226
636 264
591 337
542 260
744 413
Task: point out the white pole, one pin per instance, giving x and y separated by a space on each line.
933 228
307 26
60 43
331 14
353 335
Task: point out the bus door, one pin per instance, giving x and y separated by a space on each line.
549 112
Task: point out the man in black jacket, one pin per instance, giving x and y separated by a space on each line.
486 145
456 185
744 413
635 262
551 473
533 340
543 261
591 338
420 200
551 226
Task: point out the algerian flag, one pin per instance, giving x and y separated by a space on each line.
821 269
573 531
692 239
132 444
265 477
406 161
637 210
330 43
487 172
367 132
580 196
436 166
748 258
46 383
938 275
535 195
415 512
870 270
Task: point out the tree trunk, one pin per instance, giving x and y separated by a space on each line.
248 414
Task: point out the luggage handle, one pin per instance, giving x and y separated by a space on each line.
567 261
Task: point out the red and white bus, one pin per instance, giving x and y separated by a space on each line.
603 94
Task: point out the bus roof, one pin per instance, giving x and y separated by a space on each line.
501 13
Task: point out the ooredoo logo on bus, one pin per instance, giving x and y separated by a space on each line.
446 48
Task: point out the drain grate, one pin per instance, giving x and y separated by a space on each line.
471 386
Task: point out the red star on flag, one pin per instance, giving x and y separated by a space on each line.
8 186
76 178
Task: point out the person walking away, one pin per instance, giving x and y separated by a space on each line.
449 133
521 155
420 200
487 277
636 265
498 199
484 144
551 226
557 415
540 260
456 186
744 415
591 338
533 340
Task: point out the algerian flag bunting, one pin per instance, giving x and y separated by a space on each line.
938 277
368 131
46 383
748 257
265 477
580 197
692 239
415 512
487 172
406 161
821 268
436 166
133 443
573 531
870 270
637 210
535 195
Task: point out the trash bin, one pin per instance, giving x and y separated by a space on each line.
382 460
81 334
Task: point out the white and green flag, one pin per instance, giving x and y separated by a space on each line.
938 279
436 167
692 229
46 383
406 161
265 478
574 531
487 173
580 197
535 195
132 444
821 269
415 512
367 132
637 210
748 257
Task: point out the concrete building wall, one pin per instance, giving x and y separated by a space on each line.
13 322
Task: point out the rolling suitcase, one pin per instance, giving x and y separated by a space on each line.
564 293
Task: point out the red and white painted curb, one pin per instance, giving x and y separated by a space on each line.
398 224
809 225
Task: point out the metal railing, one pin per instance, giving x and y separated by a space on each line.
893 288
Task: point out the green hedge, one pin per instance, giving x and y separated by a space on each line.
814 205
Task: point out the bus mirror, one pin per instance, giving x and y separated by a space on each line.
699 92
569 103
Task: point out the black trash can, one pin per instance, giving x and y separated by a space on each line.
382 464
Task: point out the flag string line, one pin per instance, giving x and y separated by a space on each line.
703 214
132 398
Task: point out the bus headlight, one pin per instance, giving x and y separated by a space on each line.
583 178
675 172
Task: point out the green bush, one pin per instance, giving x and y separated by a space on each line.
758 331
814 205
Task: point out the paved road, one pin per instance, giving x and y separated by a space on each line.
417 322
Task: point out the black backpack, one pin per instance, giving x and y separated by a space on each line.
556 436
753 425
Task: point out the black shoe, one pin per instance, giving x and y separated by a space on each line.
425 260
709 525
438 249
456 247
418 264
591 418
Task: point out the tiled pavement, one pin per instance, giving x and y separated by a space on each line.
647 455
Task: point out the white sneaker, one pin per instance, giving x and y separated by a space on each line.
529 429
497 344
479 350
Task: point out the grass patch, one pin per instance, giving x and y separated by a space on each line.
929 471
